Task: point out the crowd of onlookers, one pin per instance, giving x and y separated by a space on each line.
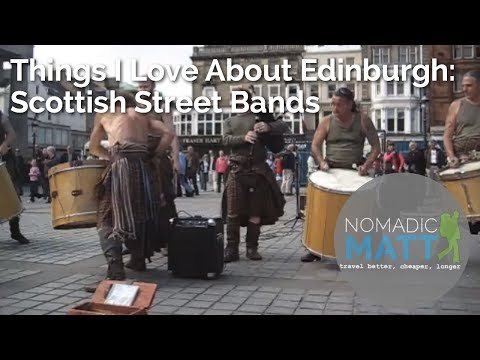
208 173
33 172
416 161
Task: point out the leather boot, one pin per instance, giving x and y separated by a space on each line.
112 249
136 263
15 231
253 233
233 241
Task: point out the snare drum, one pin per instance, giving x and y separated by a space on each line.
327 193
10 206
464 185
72 188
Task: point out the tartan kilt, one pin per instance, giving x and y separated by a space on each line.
465 146
141 244
252 192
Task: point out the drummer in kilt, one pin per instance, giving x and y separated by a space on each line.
345 132
7 138
462 127
252 197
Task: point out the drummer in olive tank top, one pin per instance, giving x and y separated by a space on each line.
344 133
462 126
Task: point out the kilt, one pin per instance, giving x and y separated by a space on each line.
125 209
252 192
465 146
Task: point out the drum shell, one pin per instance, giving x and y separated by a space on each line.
72 189
323 207
322 211
465 188
11 205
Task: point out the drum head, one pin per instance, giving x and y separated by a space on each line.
340 181
468 169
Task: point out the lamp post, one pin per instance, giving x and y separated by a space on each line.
34 136
423 117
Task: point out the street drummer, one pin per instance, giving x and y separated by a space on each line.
462 126
345 132
126 207
7 139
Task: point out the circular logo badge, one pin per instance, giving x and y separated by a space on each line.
402 240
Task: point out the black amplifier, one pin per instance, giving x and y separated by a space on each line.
196 247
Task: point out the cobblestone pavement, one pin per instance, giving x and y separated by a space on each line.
49 275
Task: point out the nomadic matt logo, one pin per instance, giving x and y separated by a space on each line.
402 241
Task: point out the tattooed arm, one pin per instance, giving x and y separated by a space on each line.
450 124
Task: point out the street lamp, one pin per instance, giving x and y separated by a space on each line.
34 136
423 117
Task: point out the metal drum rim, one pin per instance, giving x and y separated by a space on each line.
460 175
328 190
72 168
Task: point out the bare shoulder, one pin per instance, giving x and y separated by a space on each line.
452 113
455 106
325 123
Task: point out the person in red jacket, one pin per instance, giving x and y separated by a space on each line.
221 167
393 161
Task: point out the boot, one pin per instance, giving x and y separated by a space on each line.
15 231
233 241
253 233
136 263
112 249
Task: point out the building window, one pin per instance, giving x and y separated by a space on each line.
390 88
49 136
458 84
350 61
294 121
208 91
378 119
211 124
463 51
391 120
183 124
314 90
331 90
378 88
395 120
273 90
408 55
258 90
291 91
400 88
400 121
381 56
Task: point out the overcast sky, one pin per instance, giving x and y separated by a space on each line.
145 55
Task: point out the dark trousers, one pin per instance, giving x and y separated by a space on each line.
34 191
204 181
220 180
193 179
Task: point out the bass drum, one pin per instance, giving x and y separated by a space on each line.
72 187
327 193
464 185
10 206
